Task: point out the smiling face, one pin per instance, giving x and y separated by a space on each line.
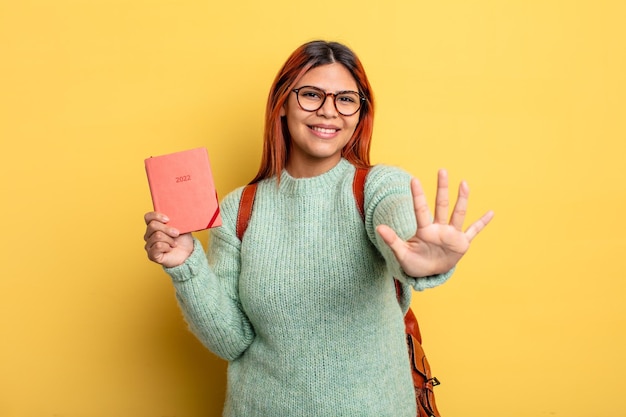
318 137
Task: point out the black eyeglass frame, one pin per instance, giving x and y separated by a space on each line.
362 99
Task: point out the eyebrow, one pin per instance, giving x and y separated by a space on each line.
327 92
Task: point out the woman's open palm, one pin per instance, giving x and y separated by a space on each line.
438 244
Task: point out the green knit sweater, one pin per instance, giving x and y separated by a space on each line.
304 307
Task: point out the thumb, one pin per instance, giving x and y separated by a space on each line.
391 239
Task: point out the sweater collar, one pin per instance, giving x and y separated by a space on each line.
317 184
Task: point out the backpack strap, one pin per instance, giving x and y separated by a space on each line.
245 209
358 188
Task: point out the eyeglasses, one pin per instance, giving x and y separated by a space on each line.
312 99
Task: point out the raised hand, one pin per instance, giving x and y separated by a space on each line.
438 244
165 245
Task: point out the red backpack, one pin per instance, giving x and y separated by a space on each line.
423 381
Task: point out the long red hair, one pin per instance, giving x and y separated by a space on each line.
276 137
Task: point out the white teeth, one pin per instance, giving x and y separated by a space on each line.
323 130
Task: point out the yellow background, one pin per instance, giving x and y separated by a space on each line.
524 99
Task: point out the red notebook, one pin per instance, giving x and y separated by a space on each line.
182 188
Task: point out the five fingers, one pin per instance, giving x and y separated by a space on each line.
442 204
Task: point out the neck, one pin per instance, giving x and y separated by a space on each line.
310 167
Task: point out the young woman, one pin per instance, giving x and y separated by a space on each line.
304 305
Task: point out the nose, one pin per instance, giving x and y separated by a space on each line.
328 108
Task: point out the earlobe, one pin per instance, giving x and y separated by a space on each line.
283 111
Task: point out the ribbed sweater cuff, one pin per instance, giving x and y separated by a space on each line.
192 265
420 284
